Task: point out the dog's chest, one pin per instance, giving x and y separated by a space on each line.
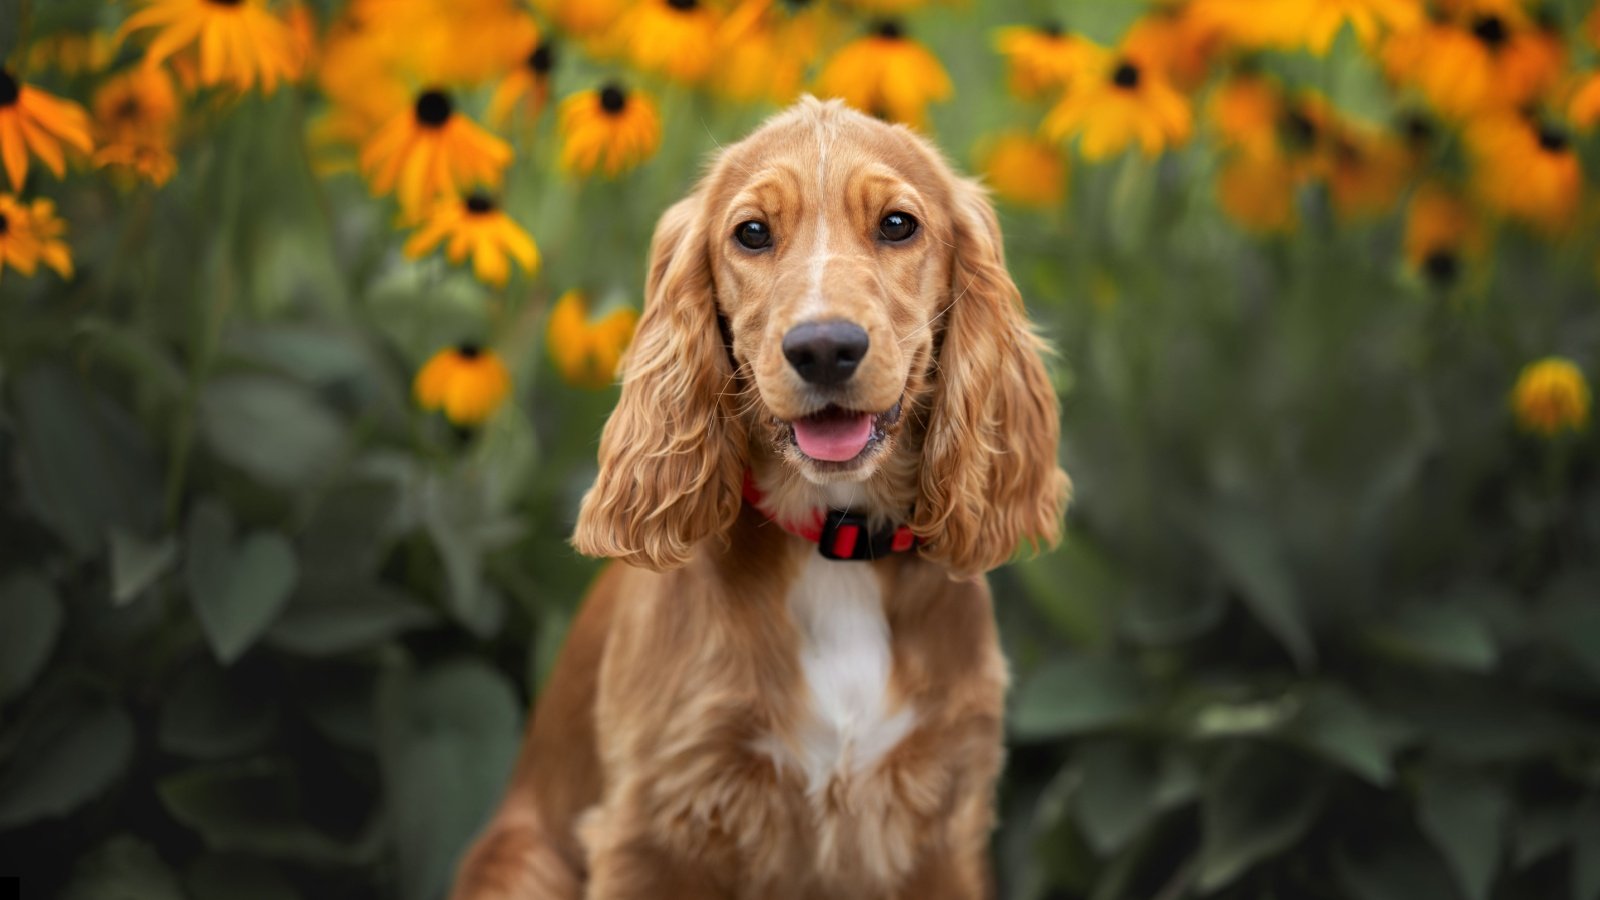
850 720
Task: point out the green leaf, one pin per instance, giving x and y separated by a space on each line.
136 563
124 868
205 717
271 428
1439 634
253 807
332 617
1394 866
1336 725
1251 554
85 467
30 621
448 739
1074 694
67 758
1586 850
237 590
219 877
1464 817
1257 802
1117 793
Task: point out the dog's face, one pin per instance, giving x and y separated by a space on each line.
832 299
830 254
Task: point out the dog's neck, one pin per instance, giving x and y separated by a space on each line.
886 498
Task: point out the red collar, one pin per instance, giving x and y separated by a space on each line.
838 534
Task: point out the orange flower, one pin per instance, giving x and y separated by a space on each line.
431 151
31 234
32 121
478 227
673 37
527 84
766 46
1045 58
1551 396
1024 170
1483 64
239 42
1366 171
1258 191
608 130
1176 39
1443 233
466 382
1246 110
1125 105
585 352
886 74
1527 170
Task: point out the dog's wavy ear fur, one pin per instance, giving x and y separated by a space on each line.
990 480
672 454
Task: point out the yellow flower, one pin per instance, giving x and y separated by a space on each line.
1584 108
587 353
1128 104
1257 190
1024 170
476 225
608 129
34 121
582 18
1366 171
673 37
239 42
1527 170
1312 24
137 159
1485 63
1176 39
73 52
467 382
1551 396
31 234
1246 110
429 151
1044 58
885 6
886 74
1442 233
766 46
527 84
134 115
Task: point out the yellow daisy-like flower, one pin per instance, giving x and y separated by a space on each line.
1024 170
1129 104
608 130
587 353
1527 170
240 43
1482 64
1551 396
1366 170
1257 190
1312 24
765 47
429 151
1045 58
1584 108
466 381
32 121
1443 234
886 74
134 116
31 234
527 85
1176 39
1246 110
582 18
477 225
674 37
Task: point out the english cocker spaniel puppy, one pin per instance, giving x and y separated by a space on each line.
834 419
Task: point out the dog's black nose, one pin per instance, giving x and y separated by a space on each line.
825 353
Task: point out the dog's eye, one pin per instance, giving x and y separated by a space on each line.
753 235
896 227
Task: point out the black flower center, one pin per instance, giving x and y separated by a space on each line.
5 224
613 99
1553 139
225 2
1491 30
468 350
1052 29
542 59
1125 75
1442 266
683 5
1417 129
9 89
434 108
1298 130
889 30
479 203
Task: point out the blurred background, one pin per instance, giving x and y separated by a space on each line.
308 317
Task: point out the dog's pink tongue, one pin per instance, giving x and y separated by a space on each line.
833 438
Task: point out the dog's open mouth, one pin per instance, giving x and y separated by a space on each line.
836 435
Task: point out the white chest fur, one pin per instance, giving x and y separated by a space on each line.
846 659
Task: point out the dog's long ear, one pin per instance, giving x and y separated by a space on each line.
672 454
990 480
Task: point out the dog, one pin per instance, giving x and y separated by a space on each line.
834 418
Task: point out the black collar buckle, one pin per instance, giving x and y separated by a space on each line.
848 536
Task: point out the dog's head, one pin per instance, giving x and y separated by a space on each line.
831 306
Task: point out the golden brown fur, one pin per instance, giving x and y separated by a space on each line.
659 762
